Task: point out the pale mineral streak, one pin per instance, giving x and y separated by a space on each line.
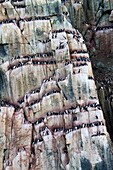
50 117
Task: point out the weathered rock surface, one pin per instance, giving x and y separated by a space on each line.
94 20
50 116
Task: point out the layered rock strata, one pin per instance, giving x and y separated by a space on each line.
50 115
95 20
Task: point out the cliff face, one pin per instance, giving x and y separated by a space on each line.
94 19
50 116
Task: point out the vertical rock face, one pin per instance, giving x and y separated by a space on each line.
94 19
50 117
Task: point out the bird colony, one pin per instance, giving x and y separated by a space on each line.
50 116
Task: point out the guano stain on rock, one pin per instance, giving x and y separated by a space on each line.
50 116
